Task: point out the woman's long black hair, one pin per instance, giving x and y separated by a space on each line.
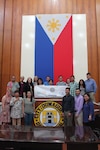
83 83
31 95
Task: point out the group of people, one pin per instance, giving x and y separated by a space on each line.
77 104
18 102
78 110
14 108
88 85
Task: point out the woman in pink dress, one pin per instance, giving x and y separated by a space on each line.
5 114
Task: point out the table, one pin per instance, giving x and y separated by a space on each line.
27 137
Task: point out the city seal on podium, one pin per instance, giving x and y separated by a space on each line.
49 114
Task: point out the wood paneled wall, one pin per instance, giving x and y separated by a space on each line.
11 12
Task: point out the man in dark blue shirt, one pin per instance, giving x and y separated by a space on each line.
68 107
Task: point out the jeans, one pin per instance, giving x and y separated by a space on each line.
28 119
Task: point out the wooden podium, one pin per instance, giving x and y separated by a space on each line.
48 106
48 113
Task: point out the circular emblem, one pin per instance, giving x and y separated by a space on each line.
49 114
52 89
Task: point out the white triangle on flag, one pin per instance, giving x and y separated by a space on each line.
53 24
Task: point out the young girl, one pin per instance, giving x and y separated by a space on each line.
17 108
29 108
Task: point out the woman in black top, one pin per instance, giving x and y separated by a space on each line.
29 87
82 87
21 86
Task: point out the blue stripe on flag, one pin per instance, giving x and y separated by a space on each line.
43 53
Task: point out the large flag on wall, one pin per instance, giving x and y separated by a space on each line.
53 45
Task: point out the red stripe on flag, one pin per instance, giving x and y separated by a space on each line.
63 53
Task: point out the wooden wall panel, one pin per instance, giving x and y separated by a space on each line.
16 39
7 40
10 32
30 8
98 39
92 41
2 6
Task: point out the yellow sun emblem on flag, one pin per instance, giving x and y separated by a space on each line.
53 25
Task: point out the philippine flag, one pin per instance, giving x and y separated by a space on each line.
53 45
